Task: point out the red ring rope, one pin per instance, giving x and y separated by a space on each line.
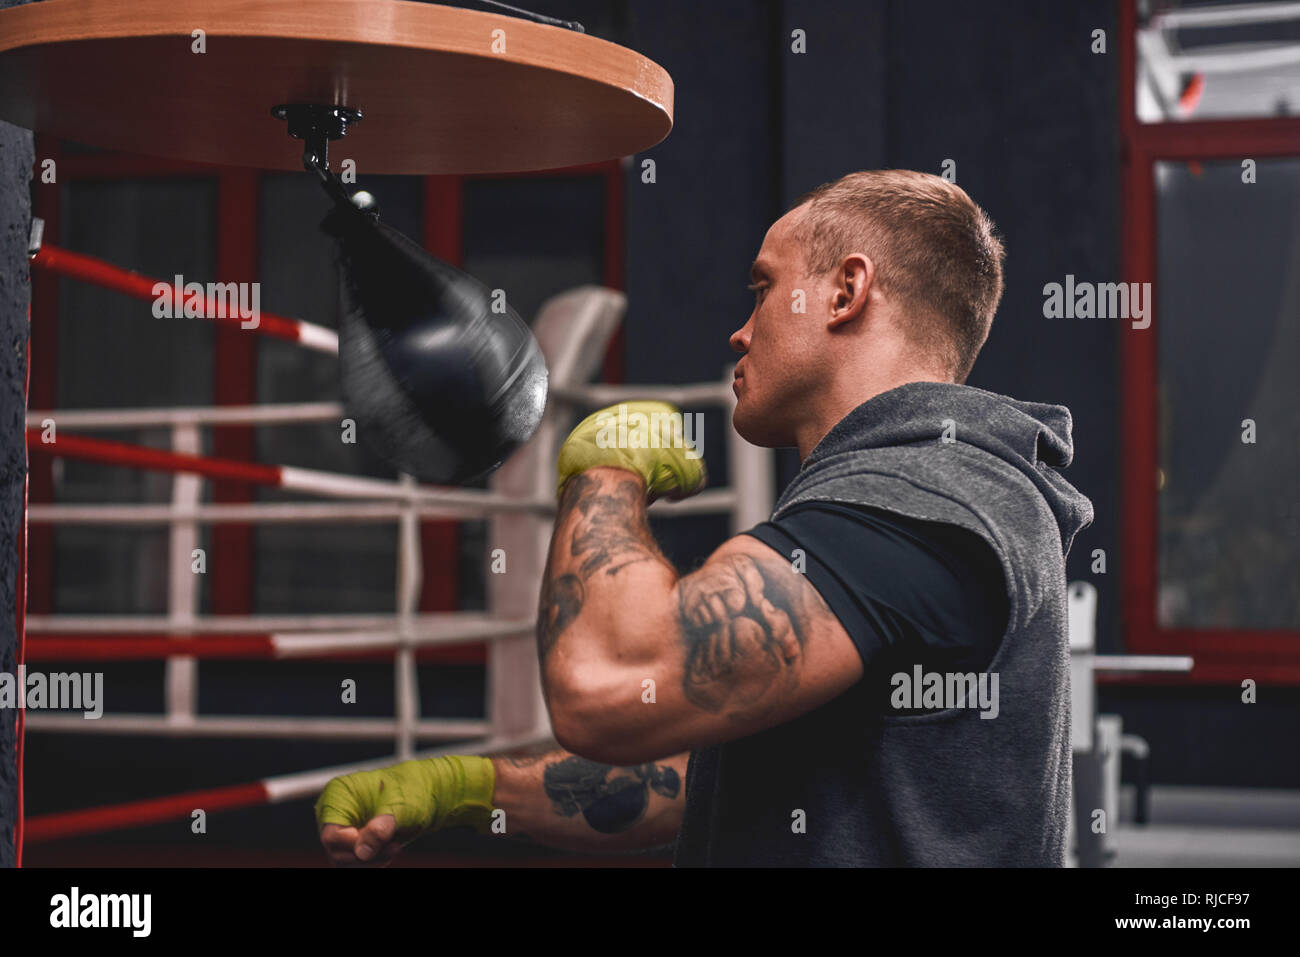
51 827
139 456
105 274
69 646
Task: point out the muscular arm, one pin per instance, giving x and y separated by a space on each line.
561 800
638 663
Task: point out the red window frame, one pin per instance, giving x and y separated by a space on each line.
237 215
1221 655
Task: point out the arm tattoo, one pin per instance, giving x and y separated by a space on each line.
610 804
612 533
745 623
561 601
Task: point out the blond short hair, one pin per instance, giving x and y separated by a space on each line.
935 252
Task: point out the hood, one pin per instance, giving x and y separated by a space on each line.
1033 437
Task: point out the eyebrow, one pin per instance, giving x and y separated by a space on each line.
756 270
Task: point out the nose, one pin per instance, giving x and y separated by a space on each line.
739 340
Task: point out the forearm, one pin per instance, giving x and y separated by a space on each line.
605 578
565 801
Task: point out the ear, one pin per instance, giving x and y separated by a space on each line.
852 290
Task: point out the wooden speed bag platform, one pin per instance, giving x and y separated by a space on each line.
439 89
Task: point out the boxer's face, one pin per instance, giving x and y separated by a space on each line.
783 350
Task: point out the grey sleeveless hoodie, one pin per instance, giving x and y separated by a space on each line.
947 787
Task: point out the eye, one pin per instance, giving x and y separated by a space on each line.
756 288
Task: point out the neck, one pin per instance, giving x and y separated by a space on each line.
846 397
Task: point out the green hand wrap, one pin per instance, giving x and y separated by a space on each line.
624 436
424 795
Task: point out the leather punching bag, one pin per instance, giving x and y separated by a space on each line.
439 384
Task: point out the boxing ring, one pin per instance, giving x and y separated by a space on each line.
573 330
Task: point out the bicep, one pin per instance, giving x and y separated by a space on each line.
753 646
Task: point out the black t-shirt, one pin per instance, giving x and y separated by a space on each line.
908 592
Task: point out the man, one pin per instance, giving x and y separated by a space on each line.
877 676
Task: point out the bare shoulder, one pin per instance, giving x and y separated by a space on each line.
758 640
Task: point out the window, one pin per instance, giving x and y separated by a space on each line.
1208 456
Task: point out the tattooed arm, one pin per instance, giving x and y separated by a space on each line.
638 663
561 800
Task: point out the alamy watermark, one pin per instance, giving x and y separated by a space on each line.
75 909
941 690
69 691
655 430
216 300
1098 300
